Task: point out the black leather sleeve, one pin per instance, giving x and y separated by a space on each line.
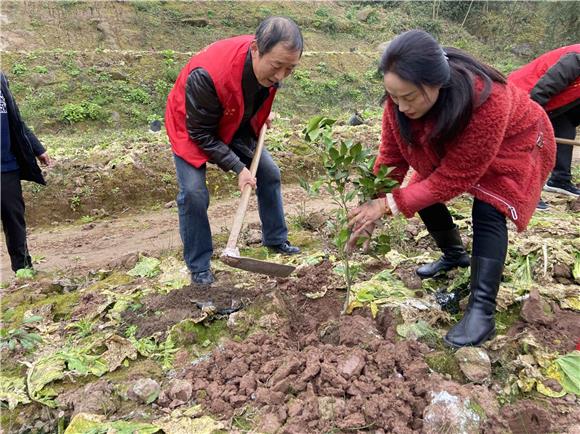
37 147
557 78
203 112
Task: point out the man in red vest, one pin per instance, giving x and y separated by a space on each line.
553 81
218 105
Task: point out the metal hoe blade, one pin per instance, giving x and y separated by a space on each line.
257 266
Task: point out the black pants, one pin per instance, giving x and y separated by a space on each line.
490 236
565 127
13 222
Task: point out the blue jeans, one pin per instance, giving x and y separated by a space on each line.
193 202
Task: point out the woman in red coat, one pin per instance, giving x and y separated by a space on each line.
462 129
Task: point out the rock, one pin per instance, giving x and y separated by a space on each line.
269 423
270 322
353 422
352 365
180 390
195 22
575 205
474 363
96 398
355 119
99 212
63 285
126 261
316 220
171 204
329 332
248 383
364 14
117 75
144 390
552 384
155 126
253 237
163 400
331 408
409 278
524 50
107 33
357 331
450 414
182 359
239 322
562 271
115 117
39 80
536 310
291 366
265 396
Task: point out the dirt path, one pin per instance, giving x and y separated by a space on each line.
96 245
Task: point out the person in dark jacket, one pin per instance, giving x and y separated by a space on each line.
218 105
20 150
463 129
553 81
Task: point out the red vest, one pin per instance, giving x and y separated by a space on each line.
528 75
224 61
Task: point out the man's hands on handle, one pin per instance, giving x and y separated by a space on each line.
245 177
271 117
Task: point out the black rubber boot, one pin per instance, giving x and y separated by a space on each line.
478 323
454 254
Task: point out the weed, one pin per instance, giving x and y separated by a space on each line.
322 12
18 69
162 87
75 202
87 219
41 69
169 57
73 113
13 338
137 95
84 327
25 273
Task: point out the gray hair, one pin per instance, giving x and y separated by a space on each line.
276 30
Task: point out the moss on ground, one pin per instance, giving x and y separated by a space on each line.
444 362
507 318
203 336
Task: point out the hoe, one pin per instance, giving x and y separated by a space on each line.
231 254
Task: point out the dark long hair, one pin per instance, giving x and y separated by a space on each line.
415 56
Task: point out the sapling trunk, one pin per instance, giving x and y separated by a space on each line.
349 172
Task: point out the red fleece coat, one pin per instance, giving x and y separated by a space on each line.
503 157
224 61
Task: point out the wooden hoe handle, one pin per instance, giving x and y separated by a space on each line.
245 198
567 142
